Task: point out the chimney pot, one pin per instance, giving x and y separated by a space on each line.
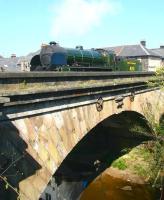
143 43
13 55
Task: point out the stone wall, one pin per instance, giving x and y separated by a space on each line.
153 63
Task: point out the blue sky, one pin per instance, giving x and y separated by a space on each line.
26 24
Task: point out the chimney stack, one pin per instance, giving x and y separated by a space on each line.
13 55
143 43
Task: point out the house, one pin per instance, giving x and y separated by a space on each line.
9 64
12 63
15 63
25 61
149 59
160 52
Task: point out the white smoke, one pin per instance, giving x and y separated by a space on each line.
78 17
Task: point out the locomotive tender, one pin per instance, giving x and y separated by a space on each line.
53 57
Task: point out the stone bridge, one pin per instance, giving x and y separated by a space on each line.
54 147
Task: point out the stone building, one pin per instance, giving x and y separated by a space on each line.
25 61
149 58
9 64
160 52
15 63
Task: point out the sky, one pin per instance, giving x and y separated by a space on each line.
26 24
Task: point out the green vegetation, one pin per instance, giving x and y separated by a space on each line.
120 164
137 128
159 129
158 80
145 160
23 85
140 170
160 75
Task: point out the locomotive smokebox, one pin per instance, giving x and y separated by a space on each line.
52 56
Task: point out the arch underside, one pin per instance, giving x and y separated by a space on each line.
98 149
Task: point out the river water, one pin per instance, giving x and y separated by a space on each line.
107 187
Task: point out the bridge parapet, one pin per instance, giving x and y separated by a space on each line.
34 81
32 89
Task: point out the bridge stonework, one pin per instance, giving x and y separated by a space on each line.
52 135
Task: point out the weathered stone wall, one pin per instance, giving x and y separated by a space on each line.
144 62
51 136
153 63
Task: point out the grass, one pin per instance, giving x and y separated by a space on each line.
120 164
160 129
144 160
140 170
25 86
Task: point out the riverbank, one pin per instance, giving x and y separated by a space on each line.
146 161
136 175
118 184
125 175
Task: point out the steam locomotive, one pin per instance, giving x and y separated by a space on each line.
53 57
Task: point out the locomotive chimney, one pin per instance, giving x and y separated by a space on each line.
143 43
53 43
79 47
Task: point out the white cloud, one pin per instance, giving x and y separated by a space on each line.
78 17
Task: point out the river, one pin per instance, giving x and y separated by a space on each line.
109 187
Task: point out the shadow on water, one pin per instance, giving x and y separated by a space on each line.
15 163
96 151
108 187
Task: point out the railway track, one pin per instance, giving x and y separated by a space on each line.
14 100
57 91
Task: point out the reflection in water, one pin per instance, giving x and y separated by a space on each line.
106 187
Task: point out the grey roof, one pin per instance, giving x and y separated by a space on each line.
132 51
159 51
10 64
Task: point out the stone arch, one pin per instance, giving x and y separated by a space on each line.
97 150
